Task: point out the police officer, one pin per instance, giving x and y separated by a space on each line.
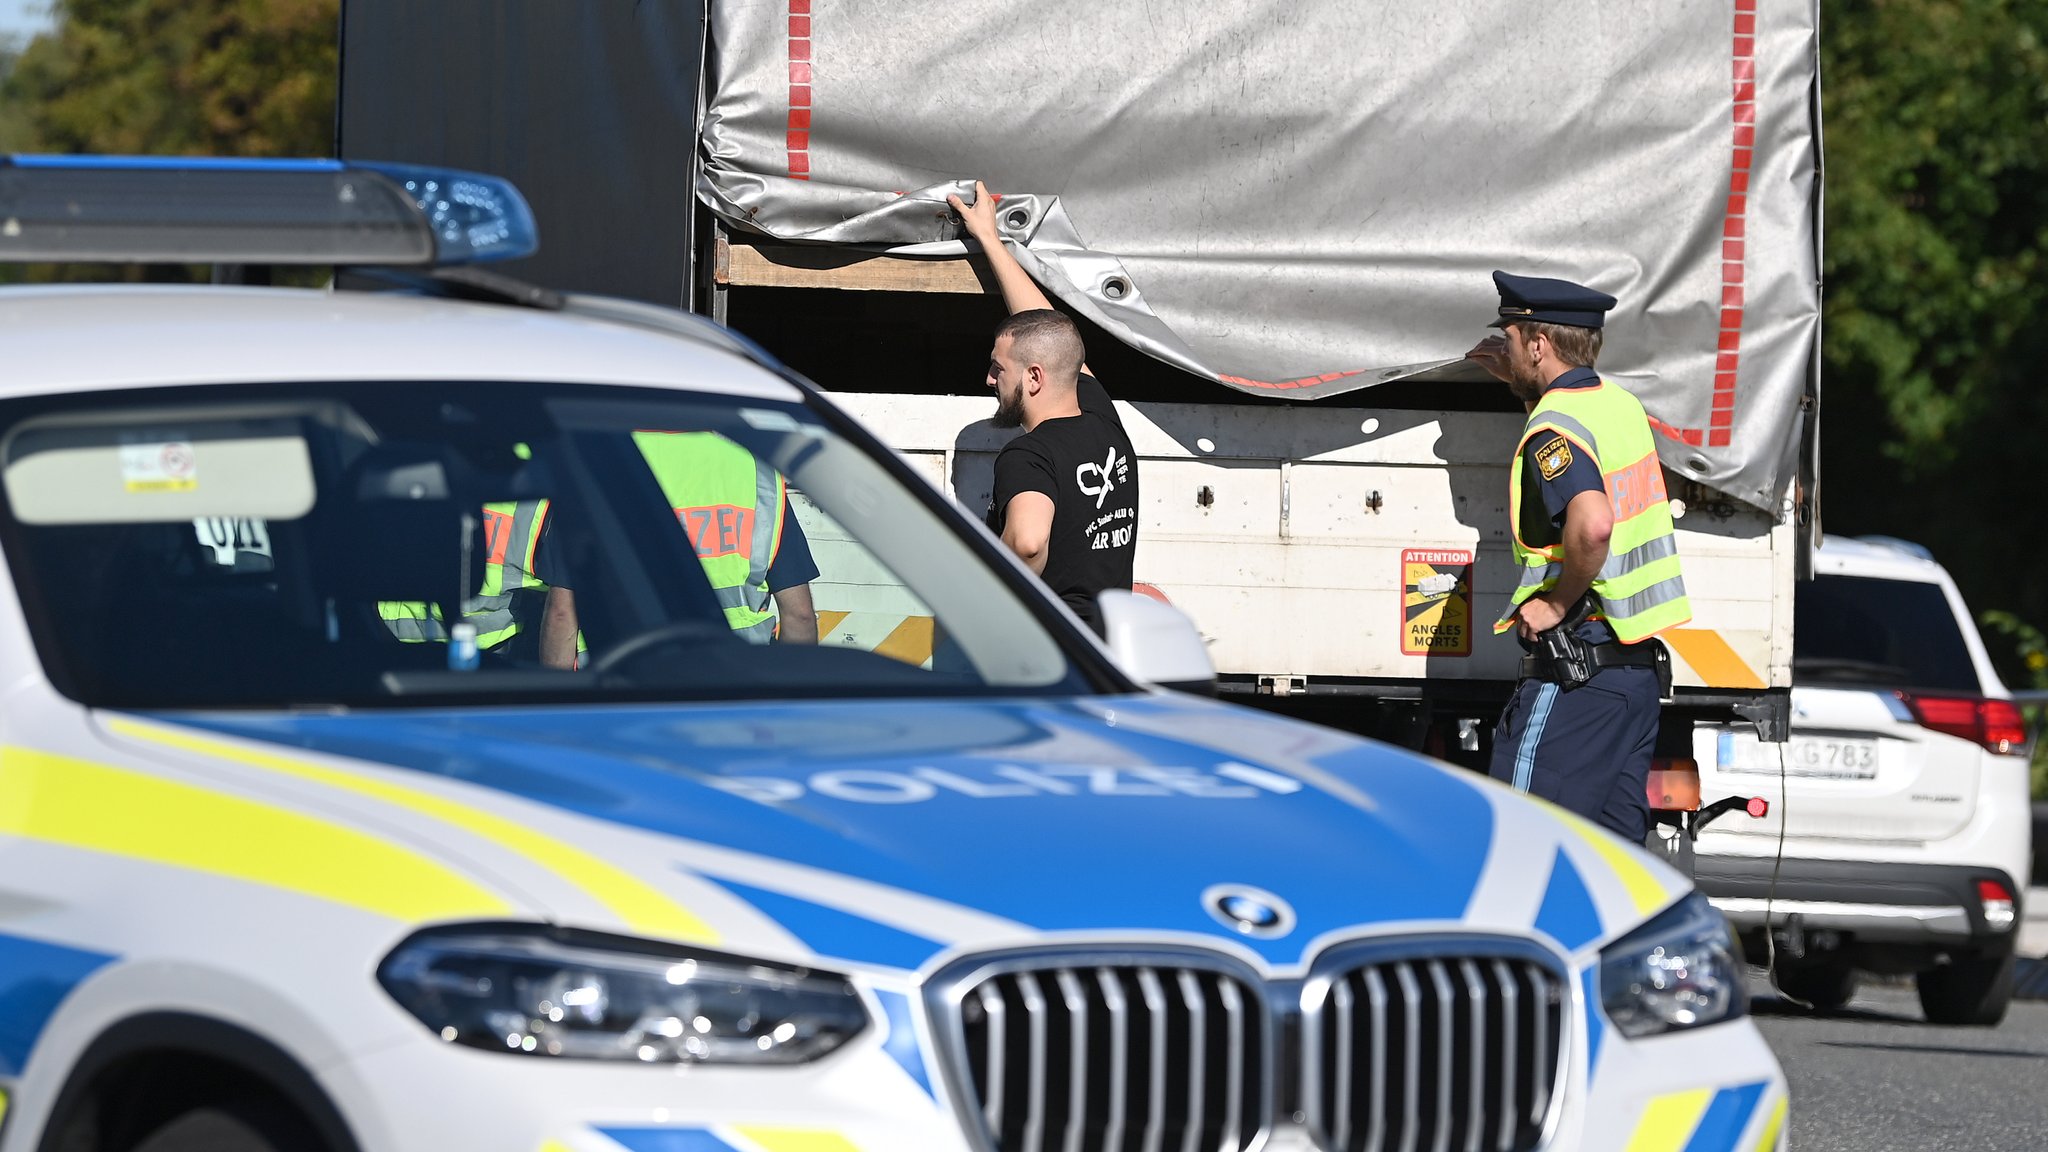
1598 561
736 511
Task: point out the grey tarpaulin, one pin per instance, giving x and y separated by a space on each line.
1302 197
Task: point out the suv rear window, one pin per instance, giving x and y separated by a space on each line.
1888 633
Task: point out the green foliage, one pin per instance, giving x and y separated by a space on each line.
172 77
2030 646
1936 127
180 77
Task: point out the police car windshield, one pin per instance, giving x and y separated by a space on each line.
382 544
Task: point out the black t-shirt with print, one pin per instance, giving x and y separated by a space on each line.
1085 465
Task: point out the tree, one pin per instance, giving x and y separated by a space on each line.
180 77
1937 238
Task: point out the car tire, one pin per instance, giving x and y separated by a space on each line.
1827 986
1972 990
252 1127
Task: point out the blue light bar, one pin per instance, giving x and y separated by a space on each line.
231 210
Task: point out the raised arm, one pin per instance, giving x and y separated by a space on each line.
1020 292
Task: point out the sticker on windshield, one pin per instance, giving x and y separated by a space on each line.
241 544
159 466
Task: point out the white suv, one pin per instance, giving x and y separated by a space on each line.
1899 836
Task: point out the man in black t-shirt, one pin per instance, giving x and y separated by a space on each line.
1066 491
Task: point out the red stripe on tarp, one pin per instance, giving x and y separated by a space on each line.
799 138
1734 228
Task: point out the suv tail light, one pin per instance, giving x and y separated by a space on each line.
1996 724
1998 906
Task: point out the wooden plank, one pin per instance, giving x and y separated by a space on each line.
800 266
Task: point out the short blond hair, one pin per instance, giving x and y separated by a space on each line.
1576 346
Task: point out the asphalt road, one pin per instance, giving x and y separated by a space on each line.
1875 1077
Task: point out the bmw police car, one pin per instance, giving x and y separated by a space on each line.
385 764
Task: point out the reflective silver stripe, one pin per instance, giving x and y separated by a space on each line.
525 522
992 1006
1536 577
413 630
1198 1047
489 614
1155 1006
752 597
767 507
1077 1060
1119 1056
1563 423
1662 592
1661 548
1038 1068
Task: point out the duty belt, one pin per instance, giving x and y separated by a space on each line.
1610 655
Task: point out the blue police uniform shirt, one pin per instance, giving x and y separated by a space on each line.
1554 470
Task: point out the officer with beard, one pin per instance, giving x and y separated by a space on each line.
1597 556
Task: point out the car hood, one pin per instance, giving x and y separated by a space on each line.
894 834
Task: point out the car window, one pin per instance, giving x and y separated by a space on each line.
1859 630
382 544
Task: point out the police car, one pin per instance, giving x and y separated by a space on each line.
322 826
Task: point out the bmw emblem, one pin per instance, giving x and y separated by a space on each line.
1249 911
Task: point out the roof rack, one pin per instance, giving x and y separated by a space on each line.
210 210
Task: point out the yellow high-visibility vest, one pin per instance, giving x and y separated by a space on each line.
511 533
1640 587
730 505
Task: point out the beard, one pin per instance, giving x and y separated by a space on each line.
1524 387
1009 411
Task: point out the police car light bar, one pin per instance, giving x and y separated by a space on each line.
201 210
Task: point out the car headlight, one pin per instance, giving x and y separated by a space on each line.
553 993
1683 969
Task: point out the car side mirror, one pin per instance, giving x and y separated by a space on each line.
1155 642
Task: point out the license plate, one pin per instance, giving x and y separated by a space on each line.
1818 757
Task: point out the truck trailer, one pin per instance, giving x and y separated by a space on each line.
1275 222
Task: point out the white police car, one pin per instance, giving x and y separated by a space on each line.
279 869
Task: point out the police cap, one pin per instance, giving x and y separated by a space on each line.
1547 301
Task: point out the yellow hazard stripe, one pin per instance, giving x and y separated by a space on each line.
1669 1121
827 621
1642 885
634 901
1710 656
910 642
796 1140
81 804
1768 1142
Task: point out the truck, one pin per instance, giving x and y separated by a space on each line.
1275 222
